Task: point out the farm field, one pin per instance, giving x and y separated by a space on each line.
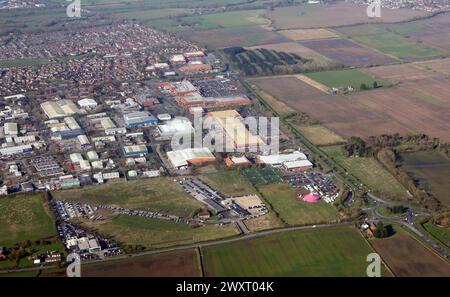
369 172
441 66
345 78
411 72
293 210
24 217
319 134
183 263
332 15
347 52
238 36
432 170
229 183
307 34
159 194
154 233
406 256
418 106
333 251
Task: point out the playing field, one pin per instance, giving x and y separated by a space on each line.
432 170
294 211
154 233
159 194
262 175
24 217
406 256
345 78
229 183
370 173
338 251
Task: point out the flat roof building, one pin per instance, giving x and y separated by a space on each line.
59 109
140 118
10 129
135 150
176 126
186 157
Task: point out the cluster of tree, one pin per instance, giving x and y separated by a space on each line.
364 86
24 249
356 146
383 231
442 219
301 118
130 249
268 62
397 209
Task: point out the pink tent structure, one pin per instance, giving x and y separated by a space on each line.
311 198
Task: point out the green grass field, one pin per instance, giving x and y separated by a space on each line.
396 45
154 233
262 175
22 62
230 183
159 194
292 210
369 172
345 78
24 217
337 251
440 233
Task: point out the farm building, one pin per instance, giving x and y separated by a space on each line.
135 150
186 157
59 109
140 118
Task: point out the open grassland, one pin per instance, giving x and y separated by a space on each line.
229 183
338 251
345 78
158 194
406 256
440 233
369 172
154 233
319 134
24 217
339 13
183 263
294 211
307 34
432 170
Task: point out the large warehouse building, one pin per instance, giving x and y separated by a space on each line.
176 126
140 118
236 134
186 157
59 109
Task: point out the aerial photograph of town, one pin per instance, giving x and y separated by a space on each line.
224 138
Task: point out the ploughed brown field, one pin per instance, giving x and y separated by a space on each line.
405 256
347 52
332 15
418 104
173 264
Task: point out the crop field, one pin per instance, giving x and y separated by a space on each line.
24 217
418 106
229 183
411 72
319 134
345 78
262 175
238 36
432 170
441 66
155 233
406 256
307 34
339 14
369 172
183 263
347 52
293 210
333 251
159 194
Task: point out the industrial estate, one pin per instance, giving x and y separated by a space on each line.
92 110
